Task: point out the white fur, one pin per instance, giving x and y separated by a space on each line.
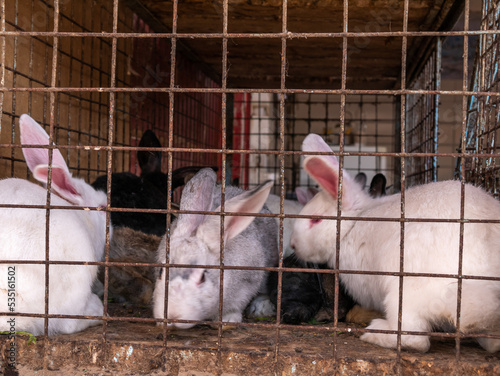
193 294
261 306
429 247
74 235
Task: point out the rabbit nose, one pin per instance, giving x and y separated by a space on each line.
292 244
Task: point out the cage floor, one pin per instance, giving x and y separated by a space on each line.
137 348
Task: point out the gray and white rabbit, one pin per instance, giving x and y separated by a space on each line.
193 293
74 235
429 247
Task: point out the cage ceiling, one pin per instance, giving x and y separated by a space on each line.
313 38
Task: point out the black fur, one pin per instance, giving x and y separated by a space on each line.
304 293
301 296
361 178
149 191
377 186
131 191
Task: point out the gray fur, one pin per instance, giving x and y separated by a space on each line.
195 240
130 284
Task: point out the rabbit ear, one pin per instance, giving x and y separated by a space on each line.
247 202
33 134
149 161
326 174
324 169
37 160
314 142
182 175
62 182
303 195
361 178
197 196
377 186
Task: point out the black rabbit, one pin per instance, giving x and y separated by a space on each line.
305 295
149 191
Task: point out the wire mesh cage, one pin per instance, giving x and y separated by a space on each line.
483 115
140 98
422 120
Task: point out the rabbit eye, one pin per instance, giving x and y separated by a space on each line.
202 278
314 221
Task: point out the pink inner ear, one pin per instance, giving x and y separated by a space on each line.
61 182
35 157
33 134
323 173
249 202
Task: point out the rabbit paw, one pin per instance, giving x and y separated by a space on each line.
261 306
491 345
414 342
232 317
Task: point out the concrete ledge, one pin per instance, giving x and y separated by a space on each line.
133 348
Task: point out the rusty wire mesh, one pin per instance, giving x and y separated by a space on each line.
483 116
96 77
422 121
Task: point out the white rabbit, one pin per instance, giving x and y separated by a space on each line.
74 235
429 247
293 207
193 293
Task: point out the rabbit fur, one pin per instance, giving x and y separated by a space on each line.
429 247
193 293
74 235
289 207
131 284
266 307
149 191
302 292
346 310
306 295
